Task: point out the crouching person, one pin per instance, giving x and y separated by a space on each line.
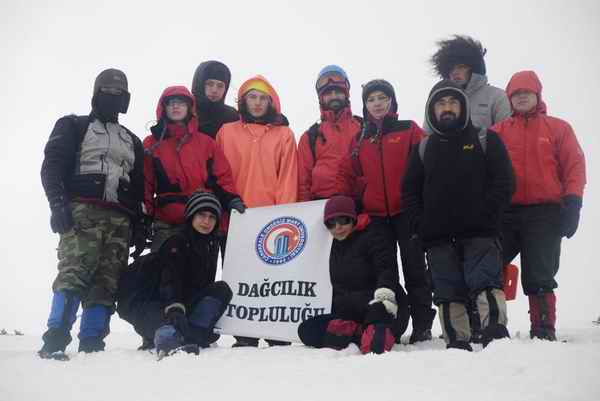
173 301
369 305
458 183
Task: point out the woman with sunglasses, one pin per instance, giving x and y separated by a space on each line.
369 305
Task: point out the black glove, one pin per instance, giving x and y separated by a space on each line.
142 230
176 317
237 204
569 215
61 220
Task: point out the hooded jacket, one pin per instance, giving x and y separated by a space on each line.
489 104
178 161
457 189
212 115
263 156
332 138
546 157
373 170
359 265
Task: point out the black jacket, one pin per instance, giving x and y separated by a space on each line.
458 190
62 183
358 266
189 264
211 116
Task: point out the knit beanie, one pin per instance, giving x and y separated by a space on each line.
339 205
201 201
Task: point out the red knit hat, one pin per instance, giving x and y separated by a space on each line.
339 206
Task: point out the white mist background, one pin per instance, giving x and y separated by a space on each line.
52 52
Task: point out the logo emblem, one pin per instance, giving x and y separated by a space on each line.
281 240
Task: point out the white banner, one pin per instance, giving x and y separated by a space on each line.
277 265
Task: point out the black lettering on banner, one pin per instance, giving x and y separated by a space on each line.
243 289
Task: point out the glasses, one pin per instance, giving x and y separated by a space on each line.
112 91
330 79
341 220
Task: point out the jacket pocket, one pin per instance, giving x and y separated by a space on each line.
88 186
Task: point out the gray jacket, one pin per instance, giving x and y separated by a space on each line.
489 105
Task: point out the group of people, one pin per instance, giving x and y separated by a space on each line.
490 176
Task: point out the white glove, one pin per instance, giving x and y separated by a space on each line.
388 298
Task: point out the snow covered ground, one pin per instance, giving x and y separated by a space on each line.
517 369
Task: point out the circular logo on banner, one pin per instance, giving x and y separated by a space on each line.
281 240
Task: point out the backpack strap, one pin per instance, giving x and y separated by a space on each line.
482 136
313 134
422 146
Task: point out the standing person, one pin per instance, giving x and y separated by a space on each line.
460 59
93 179
171 297
262 152
373 172
458 182
209 86
550 174
322 148
178 161
369 306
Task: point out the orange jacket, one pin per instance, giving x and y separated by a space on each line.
546 157
317 178
263 158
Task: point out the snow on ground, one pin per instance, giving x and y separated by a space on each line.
517 369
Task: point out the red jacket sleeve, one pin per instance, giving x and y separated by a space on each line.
572 163
287 179
305 166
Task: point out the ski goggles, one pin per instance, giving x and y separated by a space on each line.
111 91
331 79
341 220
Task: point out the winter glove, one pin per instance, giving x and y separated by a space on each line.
237 204
388 298
377 338
61 219
175 314
569 215
142 230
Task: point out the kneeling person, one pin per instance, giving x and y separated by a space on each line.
369 305
175 301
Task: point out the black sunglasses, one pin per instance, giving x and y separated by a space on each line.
341 220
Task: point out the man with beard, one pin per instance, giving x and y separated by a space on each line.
457 185
460 59
324 145
210 86
93 178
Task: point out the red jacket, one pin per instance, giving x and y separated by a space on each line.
332 138
177 164
546 157
375 177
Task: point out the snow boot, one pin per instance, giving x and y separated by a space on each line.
542 314
63 314
95 322
463 345
147 344
245 342
491 307
422 320
454 320
377 338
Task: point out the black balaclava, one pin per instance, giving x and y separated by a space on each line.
105 106
209 70
444 88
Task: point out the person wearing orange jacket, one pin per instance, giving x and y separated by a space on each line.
373 173
549 166
178 161
261 150
323 146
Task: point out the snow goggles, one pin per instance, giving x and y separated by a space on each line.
111 91
331 79
341 220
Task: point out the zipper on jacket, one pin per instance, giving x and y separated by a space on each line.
385 194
